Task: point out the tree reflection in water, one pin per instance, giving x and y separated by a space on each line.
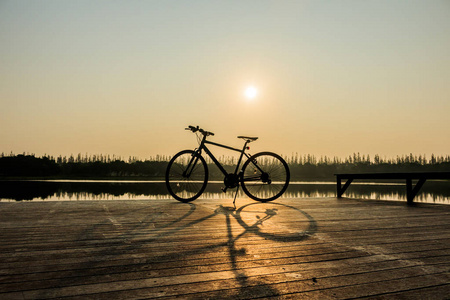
432 191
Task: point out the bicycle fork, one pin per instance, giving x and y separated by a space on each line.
190 167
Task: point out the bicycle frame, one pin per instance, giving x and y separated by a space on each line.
214 159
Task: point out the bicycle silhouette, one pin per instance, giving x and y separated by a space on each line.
263 176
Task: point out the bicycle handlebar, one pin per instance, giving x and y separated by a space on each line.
196 128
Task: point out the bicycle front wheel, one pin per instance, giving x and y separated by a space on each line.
265 176
186 176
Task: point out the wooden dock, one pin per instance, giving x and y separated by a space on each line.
322 248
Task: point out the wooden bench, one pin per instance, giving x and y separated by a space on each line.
411 191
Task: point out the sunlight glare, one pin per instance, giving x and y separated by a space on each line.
251 92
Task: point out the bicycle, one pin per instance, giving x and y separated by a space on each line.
263 176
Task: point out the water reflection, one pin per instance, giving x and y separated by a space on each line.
432 192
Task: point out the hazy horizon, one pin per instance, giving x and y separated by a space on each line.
126 77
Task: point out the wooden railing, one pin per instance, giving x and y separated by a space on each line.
411 191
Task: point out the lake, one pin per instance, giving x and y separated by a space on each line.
83 190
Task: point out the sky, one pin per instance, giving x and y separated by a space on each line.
126 77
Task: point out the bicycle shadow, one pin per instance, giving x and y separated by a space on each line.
248 287
252 217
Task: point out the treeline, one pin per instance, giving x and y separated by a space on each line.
87 158
69 167
309 166
357 158
303 167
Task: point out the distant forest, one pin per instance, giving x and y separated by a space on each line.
302 167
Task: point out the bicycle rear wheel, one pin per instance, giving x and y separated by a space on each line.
186 176
265 176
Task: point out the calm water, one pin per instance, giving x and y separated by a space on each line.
78 190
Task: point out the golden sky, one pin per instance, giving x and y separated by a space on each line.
126 77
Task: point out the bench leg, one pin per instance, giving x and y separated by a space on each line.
341 189
412 192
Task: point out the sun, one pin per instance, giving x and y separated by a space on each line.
251 92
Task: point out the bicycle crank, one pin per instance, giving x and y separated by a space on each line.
230 181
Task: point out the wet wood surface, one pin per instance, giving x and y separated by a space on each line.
319 248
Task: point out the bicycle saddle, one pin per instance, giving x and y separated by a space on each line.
248 138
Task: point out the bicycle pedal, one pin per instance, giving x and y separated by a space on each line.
224 189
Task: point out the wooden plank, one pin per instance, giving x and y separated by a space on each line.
316 248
